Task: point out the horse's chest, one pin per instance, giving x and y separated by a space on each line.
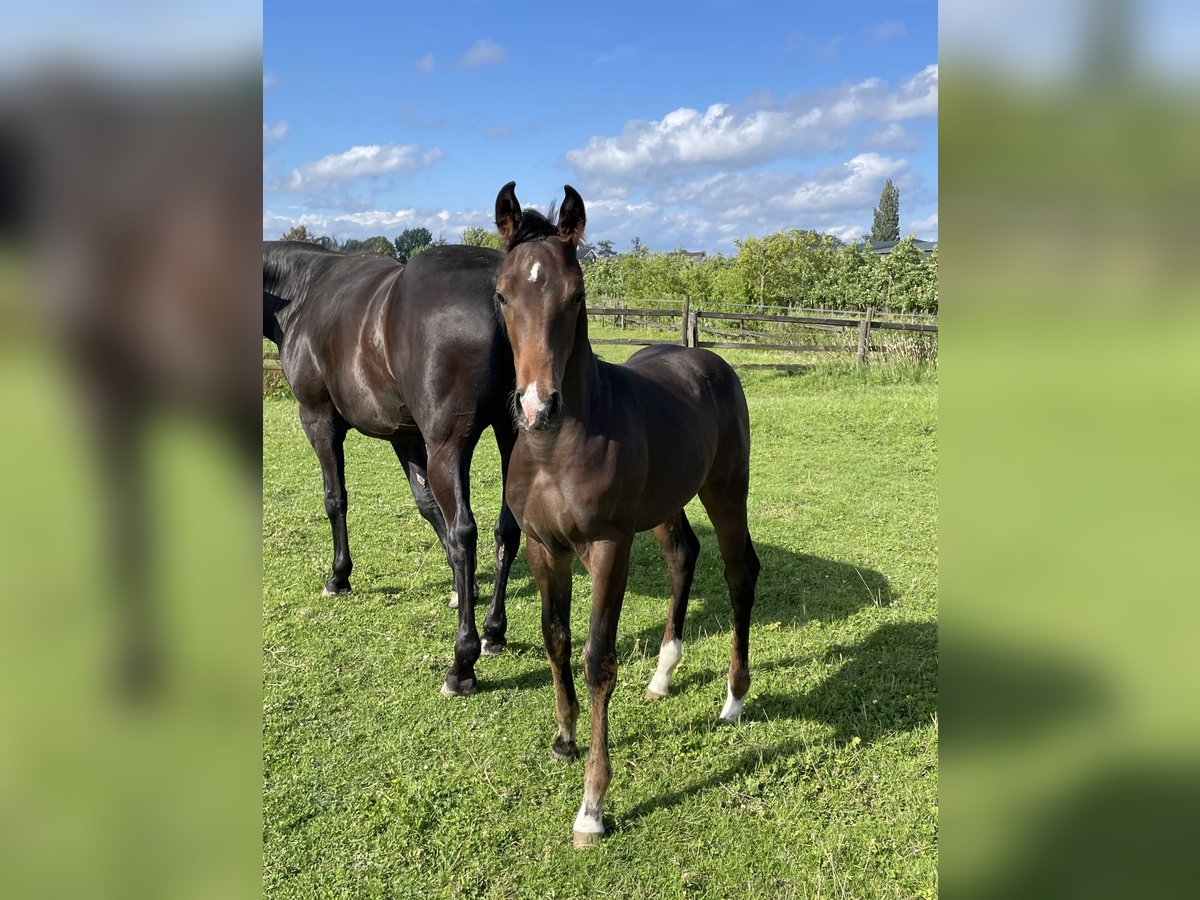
556 510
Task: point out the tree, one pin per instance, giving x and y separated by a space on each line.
604 249
412 241
482 237
299 233
379 244
886 226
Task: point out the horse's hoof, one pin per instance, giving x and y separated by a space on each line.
582 839
459 687
652 694
564 751
336 590
492 648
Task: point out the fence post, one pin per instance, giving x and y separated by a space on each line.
621 318
864 336
693 328
685 320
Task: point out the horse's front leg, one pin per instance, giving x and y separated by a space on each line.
608 563
508 541
553 576
448 473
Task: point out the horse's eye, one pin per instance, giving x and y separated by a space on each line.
500 298
578 298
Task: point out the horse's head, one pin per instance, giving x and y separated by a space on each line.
539 289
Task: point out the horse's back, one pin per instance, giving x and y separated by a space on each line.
693 375
693 415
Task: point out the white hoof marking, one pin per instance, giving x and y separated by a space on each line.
668 659
733 706
585 824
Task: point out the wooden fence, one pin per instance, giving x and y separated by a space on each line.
692 329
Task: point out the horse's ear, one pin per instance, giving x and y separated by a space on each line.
508 212
571 217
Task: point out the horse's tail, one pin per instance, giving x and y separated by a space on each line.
272 327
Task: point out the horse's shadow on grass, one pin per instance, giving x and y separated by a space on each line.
885 684
792 587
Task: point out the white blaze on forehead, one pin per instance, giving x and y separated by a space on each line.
533 271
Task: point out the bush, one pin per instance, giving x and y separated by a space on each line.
786 269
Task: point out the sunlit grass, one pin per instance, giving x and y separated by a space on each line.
376 785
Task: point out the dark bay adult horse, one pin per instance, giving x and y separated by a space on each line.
414 355
604 452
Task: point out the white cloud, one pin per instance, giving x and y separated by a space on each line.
371 160
723 136
926 228
916 97
441 222
713 211
846 232
425 64
496 132
891 138
690 138
483 53
887 31
275 133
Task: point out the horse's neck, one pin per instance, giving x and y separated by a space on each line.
582 382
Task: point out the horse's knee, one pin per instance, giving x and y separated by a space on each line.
600 668
752 564
508 536
557 640
335 503
462 535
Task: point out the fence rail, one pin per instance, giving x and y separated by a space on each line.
690 329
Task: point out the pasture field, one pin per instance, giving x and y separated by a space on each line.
375 785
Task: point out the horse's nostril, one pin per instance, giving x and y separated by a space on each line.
554 406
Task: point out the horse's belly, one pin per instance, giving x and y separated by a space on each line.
377 411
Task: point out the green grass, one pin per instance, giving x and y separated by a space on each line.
377 786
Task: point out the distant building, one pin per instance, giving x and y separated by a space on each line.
697 256
883 248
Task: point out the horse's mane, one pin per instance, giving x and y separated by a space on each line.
535 226
290 266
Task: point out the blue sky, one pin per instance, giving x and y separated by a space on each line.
683 124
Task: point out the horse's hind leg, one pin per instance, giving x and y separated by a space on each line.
508 541
680 546
412 460
727 509
326 432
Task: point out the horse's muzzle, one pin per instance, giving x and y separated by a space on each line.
546 417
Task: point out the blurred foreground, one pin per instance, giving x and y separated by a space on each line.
1070 389
129 245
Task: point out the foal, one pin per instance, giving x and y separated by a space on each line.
607 451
